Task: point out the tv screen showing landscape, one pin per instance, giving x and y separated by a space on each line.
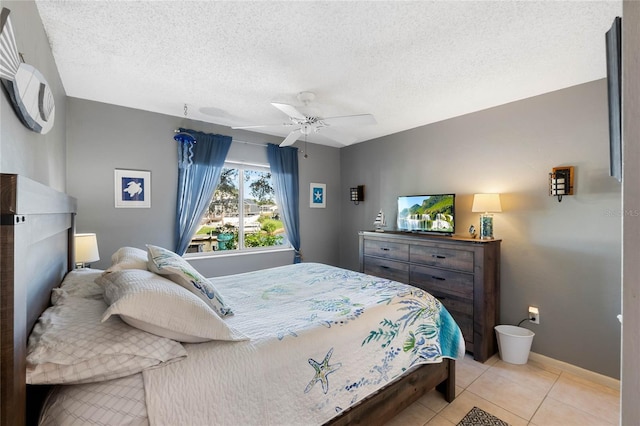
426 213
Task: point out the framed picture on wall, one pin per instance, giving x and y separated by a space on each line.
132 188
318 195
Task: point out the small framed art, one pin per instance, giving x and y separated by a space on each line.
132 188
318 195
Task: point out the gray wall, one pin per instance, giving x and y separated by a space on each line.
630 409
562 257
104 137
38 157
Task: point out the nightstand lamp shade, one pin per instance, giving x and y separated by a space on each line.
86 249
486 204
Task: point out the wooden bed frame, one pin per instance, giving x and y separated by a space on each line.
36 251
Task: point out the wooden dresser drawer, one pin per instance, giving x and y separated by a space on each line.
389 269
442 281
460 260
386 249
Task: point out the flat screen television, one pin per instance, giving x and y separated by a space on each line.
614 85
427 213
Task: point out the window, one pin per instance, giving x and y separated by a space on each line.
252 224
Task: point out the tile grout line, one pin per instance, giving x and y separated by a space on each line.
493 403
575 407
559 373
546 395
493 368
480 375
497 405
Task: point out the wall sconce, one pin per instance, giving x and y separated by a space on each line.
561 182
357 194
86 246
486 204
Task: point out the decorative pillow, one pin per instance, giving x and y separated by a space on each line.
70 344
157 305
127 258
78 283
118 402
178 270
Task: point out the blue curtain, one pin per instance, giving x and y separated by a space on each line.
284 173
199 169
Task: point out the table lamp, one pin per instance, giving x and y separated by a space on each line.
486 204
86 250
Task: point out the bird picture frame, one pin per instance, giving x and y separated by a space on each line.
132 188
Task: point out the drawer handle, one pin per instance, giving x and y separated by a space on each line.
438 256
438 278
384 267
384 248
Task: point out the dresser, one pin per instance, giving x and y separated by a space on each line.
463 273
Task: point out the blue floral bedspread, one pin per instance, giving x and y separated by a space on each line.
321 339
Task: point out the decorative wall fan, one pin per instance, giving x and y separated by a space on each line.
305 120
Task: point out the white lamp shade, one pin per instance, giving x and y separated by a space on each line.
86 248
486 203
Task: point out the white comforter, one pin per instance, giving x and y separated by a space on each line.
321 339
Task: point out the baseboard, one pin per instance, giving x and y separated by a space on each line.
575 370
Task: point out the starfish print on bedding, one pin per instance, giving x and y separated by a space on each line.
383 370
323 369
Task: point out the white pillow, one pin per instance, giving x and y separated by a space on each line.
70 344
159 306
78 283
178 270
127 258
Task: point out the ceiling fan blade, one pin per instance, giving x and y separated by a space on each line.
350 120
290 110
291 138
258 126
336 136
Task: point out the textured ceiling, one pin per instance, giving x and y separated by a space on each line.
407 63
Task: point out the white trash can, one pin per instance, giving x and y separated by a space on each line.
514 343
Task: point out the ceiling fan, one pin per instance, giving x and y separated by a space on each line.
305 120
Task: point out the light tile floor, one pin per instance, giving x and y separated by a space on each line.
531 394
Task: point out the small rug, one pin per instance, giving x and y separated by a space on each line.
478 417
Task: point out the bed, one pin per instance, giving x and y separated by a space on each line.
49 258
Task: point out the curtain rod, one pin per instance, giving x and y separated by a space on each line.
237 140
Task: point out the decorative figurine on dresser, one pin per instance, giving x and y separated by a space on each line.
380 222
463 273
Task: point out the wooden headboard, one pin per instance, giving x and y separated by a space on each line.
36 251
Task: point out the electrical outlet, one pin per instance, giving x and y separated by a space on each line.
534 315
